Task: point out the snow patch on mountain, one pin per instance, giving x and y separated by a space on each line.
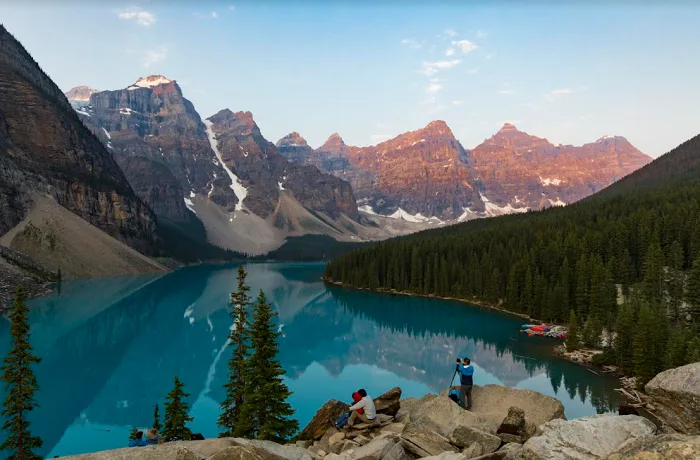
493 209
547 181
190 205
557 203
106 133
150 81
238 189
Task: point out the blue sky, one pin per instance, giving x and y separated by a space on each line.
371 70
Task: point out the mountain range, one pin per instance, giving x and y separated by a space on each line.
251 195
141 165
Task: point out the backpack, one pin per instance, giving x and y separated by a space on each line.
342 420
454 396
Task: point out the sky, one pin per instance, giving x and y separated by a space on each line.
571 72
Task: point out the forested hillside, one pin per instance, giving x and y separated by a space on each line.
642 234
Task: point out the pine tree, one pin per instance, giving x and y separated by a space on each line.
134 432
647 361
156 419
677 349
692 292
573 338
624 338
265 408
239 335
176 413
20 385
591 333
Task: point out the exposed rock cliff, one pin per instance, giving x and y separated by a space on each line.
45 148
266 174
520 170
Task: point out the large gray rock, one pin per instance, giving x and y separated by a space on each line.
587 438
667 446
372 450
168 451
243 453
493 401
408 405
465 436
396 452
514 428
286 452
423 443
447 416
675 396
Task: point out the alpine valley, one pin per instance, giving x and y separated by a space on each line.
141 168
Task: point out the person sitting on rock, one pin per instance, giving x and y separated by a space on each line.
138 441
466 374
366 403
356 397
153 437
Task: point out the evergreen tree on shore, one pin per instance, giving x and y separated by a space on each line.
573 338
265 411
176 413
20 385
156 419
237 365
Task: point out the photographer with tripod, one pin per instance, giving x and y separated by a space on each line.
466 374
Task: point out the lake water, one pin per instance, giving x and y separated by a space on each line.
110 349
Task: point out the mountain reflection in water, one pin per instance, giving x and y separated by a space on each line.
111 347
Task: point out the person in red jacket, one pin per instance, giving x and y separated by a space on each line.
355 399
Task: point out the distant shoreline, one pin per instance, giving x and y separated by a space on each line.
472 302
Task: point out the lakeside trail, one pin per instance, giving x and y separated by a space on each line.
583 357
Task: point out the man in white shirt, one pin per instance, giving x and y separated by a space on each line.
366 403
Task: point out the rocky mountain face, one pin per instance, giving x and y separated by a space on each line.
45 149
80 96
420 174
519 170
294 148
427 172
151 119
266 174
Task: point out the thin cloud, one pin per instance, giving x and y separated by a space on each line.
489 56
556 92
449 51
481 34
506 91
433 88
214 15
141 16
458 102
411 43
465 46
474 70
211 15
154 56
232 7
450 32
431 68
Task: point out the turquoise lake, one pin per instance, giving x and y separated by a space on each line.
111 347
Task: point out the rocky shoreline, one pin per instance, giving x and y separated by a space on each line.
504 424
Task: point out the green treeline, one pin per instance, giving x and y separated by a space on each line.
626 261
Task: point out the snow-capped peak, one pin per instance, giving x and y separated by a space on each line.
151 81
605 138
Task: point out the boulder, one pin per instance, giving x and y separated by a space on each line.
206 447
667 446
473 451
372 450
514 428
348 444
168 451
511 450
274 449
423 442
393 428
243 453
448 416
389 403
586 438
322 420
465 436
493 401
675 396
409 404
396 452
336 438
